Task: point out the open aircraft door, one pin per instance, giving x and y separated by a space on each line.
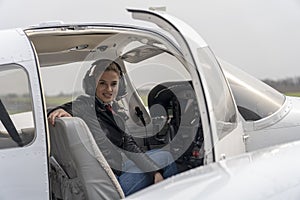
23 137
222 129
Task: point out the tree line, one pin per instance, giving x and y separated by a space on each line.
287 85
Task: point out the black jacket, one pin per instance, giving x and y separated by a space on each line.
109 134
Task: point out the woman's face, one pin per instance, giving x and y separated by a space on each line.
107 86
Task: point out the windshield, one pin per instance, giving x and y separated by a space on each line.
255 99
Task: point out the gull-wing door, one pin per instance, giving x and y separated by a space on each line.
222 129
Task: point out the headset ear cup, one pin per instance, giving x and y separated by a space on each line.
122 88
89 84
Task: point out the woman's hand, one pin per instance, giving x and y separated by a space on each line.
57 113
158 177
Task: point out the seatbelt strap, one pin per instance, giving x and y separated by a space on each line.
8 124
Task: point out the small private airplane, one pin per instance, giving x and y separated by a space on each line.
179 97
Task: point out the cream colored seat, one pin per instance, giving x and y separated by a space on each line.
79 170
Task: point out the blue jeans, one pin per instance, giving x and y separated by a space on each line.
133 182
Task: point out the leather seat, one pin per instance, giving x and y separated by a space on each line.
79 170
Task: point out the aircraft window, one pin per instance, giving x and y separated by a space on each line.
155 70
255 99
221 98
164 85
17 124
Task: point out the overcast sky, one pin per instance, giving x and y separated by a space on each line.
262 37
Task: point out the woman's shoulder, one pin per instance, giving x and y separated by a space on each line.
85 97
84 100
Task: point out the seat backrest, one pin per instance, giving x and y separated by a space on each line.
86 173
177 102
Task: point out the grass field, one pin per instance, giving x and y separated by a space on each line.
294 94
53 101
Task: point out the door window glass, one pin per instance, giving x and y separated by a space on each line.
16 119
221 98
